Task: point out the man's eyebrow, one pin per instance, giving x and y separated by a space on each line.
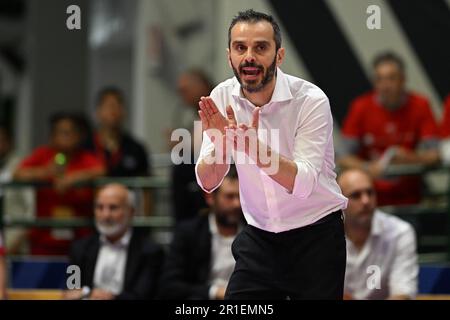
262 42
258 42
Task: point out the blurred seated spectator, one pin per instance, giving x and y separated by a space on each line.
18 203
381 248
390 125
187 196
118 262
200 261
3 281
62 163
122 154
445 133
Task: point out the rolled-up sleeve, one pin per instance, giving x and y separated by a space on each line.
405 269
206 149
313 134
208 146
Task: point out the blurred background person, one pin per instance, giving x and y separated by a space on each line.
18 203
187 196
3 270
118 262
376 239
445 133
63 163
200 261
123 155
191 85
390 125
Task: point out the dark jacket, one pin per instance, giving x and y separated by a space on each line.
187 267
142 270
131 160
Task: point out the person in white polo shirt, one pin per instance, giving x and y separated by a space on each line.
278 130
381 248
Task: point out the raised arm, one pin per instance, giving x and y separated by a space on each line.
212 165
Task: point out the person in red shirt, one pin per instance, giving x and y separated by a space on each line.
62 163
390 125
2 270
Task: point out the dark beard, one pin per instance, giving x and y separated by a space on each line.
269 75
227 220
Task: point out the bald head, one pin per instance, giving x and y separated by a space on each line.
357 186
119 191
114 207
350 177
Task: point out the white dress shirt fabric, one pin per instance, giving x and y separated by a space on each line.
222 261
301 113
109 272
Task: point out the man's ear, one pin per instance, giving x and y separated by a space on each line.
229 58
280 56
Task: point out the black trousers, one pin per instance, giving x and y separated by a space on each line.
303 263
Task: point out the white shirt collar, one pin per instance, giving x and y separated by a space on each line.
280 93
122 242
212 224
377 224
376 229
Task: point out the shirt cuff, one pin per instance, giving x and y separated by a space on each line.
213 291
200 181
305 180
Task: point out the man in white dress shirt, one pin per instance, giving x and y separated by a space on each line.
294 244
381 248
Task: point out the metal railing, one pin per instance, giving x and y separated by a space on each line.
153 221
165 221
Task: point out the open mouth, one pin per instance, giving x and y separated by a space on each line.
251 72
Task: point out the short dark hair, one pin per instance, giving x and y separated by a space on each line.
389 57
251 16
76 119
110 90
232 174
